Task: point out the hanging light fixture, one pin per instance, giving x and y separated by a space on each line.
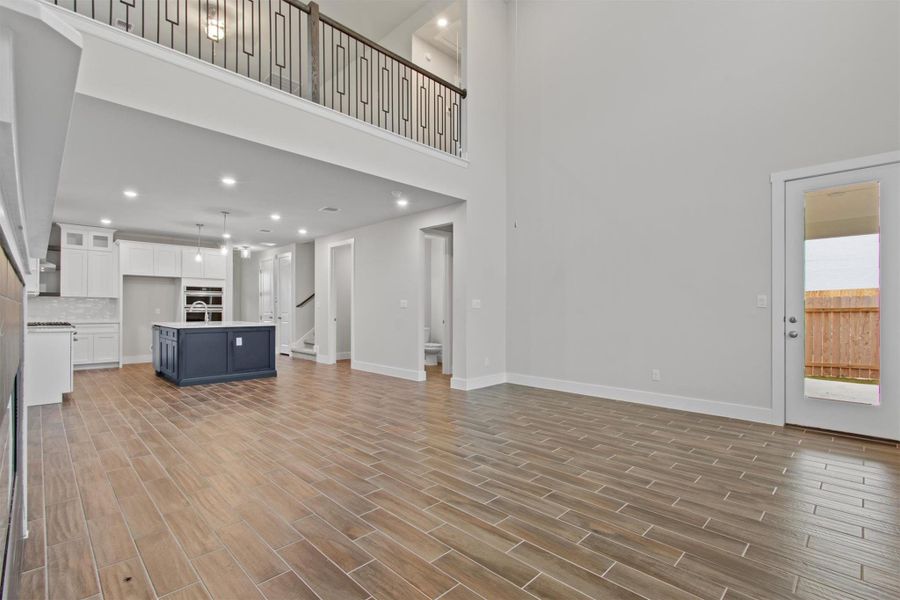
215 27
245 251
198 257
225 235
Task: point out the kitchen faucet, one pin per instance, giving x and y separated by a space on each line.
205 309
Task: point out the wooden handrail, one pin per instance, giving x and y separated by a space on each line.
360 37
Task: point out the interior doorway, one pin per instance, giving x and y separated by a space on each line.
267 290
437 305
284 294
841 278
340 301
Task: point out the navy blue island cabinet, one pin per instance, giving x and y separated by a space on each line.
192 353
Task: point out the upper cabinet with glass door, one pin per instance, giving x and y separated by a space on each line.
81 237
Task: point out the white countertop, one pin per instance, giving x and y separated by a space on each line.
211 324
49 329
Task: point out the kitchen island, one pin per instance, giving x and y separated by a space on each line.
213 352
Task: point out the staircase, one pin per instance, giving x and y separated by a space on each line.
305 347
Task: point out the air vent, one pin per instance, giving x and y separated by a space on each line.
265 231
329 209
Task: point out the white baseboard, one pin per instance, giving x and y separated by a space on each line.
140 358
303 356
324 359
475 383
686 403
410 374
343 356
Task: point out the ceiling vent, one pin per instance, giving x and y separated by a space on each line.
329 209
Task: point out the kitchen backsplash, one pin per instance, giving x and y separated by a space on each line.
49 308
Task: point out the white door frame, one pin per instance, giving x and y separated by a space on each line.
276 291
332 302
446 335
779 184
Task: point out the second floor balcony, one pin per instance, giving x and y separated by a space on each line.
293 47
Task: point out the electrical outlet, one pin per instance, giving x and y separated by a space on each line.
476 303
404 304
762 301
655 375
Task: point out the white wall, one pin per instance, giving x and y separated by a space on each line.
304 285
343 270
387 269
435 60
435 275
142 297
643 215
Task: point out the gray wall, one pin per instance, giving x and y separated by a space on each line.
343 270
643 216
142 297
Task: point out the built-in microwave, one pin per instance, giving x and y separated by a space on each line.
211 296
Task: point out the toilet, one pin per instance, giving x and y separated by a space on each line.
432 349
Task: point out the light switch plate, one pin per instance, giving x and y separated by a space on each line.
404 304
762 301
476 303
238 341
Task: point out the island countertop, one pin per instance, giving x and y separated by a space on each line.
211 324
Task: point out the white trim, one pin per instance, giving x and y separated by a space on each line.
324 359
331 330
343 356
110 34
409 374
476 383
685 403
779 182
140 358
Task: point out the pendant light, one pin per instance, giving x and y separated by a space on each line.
245 251
198 257
225 235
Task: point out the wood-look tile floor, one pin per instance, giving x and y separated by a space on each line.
339 485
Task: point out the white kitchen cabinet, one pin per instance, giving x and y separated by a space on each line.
73 273
190 268
48 364
166 261
95 344
137 259
106 347
213 264
101 275
88 266
82 348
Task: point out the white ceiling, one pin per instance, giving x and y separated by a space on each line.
176 170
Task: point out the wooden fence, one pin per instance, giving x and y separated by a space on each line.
842 334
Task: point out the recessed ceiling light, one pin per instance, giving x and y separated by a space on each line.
402 202
130 194
275 217
328 209
442 22
106 221
229 180
301 231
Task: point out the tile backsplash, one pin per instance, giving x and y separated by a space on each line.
50 308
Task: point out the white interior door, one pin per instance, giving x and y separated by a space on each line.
284 304
267 290
447 351
842 301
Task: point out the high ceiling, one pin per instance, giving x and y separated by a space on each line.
176 169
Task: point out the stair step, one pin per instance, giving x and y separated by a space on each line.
308 351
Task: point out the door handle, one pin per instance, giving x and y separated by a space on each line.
793 334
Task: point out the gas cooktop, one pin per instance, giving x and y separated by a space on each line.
49 324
